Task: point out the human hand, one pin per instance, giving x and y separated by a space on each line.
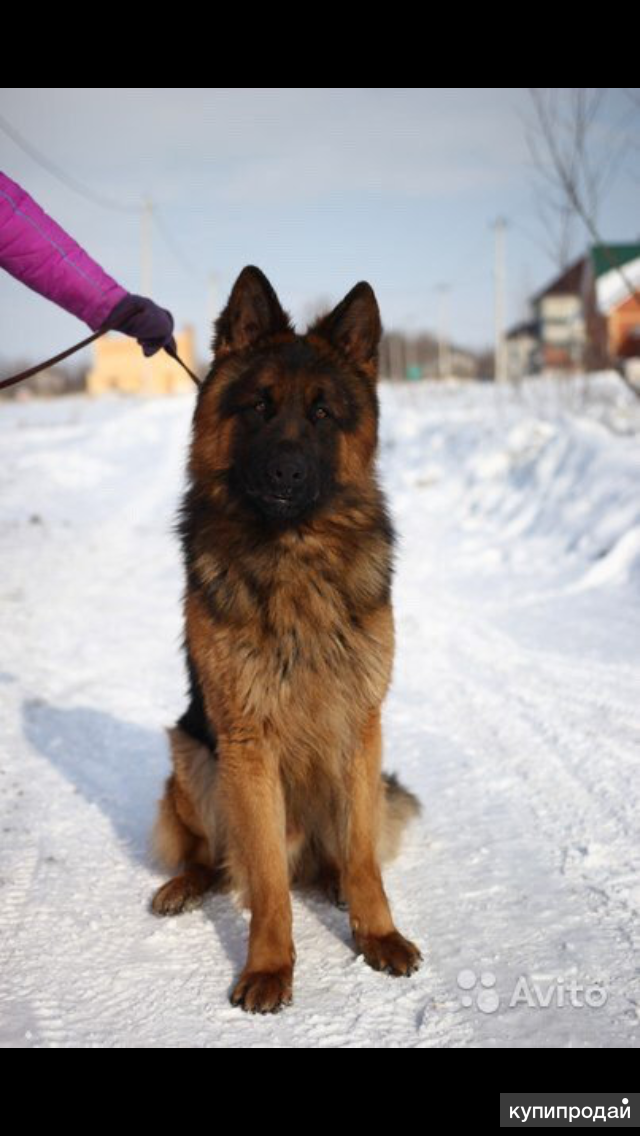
141 318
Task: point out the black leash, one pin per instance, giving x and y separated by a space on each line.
174 355
102 330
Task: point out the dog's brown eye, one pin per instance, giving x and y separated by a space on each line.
319 412
260 406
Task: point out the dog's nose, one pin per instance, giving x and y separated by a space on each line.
286 473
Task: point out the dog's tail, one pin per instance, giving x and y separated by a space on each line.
399 807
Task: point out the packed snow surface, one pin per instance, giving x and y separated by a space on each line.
514 714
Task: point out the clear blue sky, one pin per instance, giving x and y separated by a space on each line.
320 187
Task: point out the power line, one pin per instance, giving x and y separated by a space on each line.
173 246
57 172
146 208
500 366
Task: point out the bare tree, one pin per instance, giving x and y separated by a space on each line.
576 157
556 214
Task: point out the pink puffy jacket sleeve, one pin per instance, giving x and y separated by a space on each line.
38 252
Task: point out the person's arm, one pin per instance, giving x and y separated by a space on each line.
39 253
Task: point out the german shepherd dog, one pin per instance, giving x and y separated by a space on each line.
289 638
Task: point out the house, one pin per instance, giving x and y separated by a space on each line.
586 318
558 315
611 300
120 365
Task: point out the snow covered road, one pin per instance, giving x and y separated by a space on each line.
514 714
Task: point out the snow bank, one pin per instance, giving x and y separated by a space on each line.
556 462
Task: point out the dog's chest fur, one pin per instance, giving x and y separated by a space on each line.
304 637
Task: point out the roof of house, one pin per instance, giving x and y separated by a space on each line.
567 283
526 328
606 257
612 287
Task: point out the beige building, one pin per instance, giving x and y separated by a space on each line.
120 365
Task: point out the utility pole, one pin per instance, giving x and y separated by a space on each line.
213 292
146 288
499 281
444 355
146 221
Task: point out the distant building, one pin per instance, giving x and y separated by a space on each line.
120 365
457 363
49 383
612 312
586 318
522 347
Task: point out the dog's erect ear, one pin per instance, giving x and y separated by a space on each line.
253 310
354 327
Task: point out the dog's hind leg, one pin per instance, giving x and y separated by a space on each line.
186 891
184 835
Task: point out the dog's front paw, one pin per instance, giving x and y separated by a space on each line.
392 953
264 992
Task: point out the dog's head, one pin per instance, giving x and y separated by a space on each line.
284 420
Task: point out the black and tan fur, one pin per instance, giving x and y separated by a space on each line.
289 638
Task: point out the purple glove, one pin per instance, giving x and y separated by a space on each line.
151 326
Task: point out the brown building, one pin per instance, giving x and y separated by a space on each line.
559 320
120 365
